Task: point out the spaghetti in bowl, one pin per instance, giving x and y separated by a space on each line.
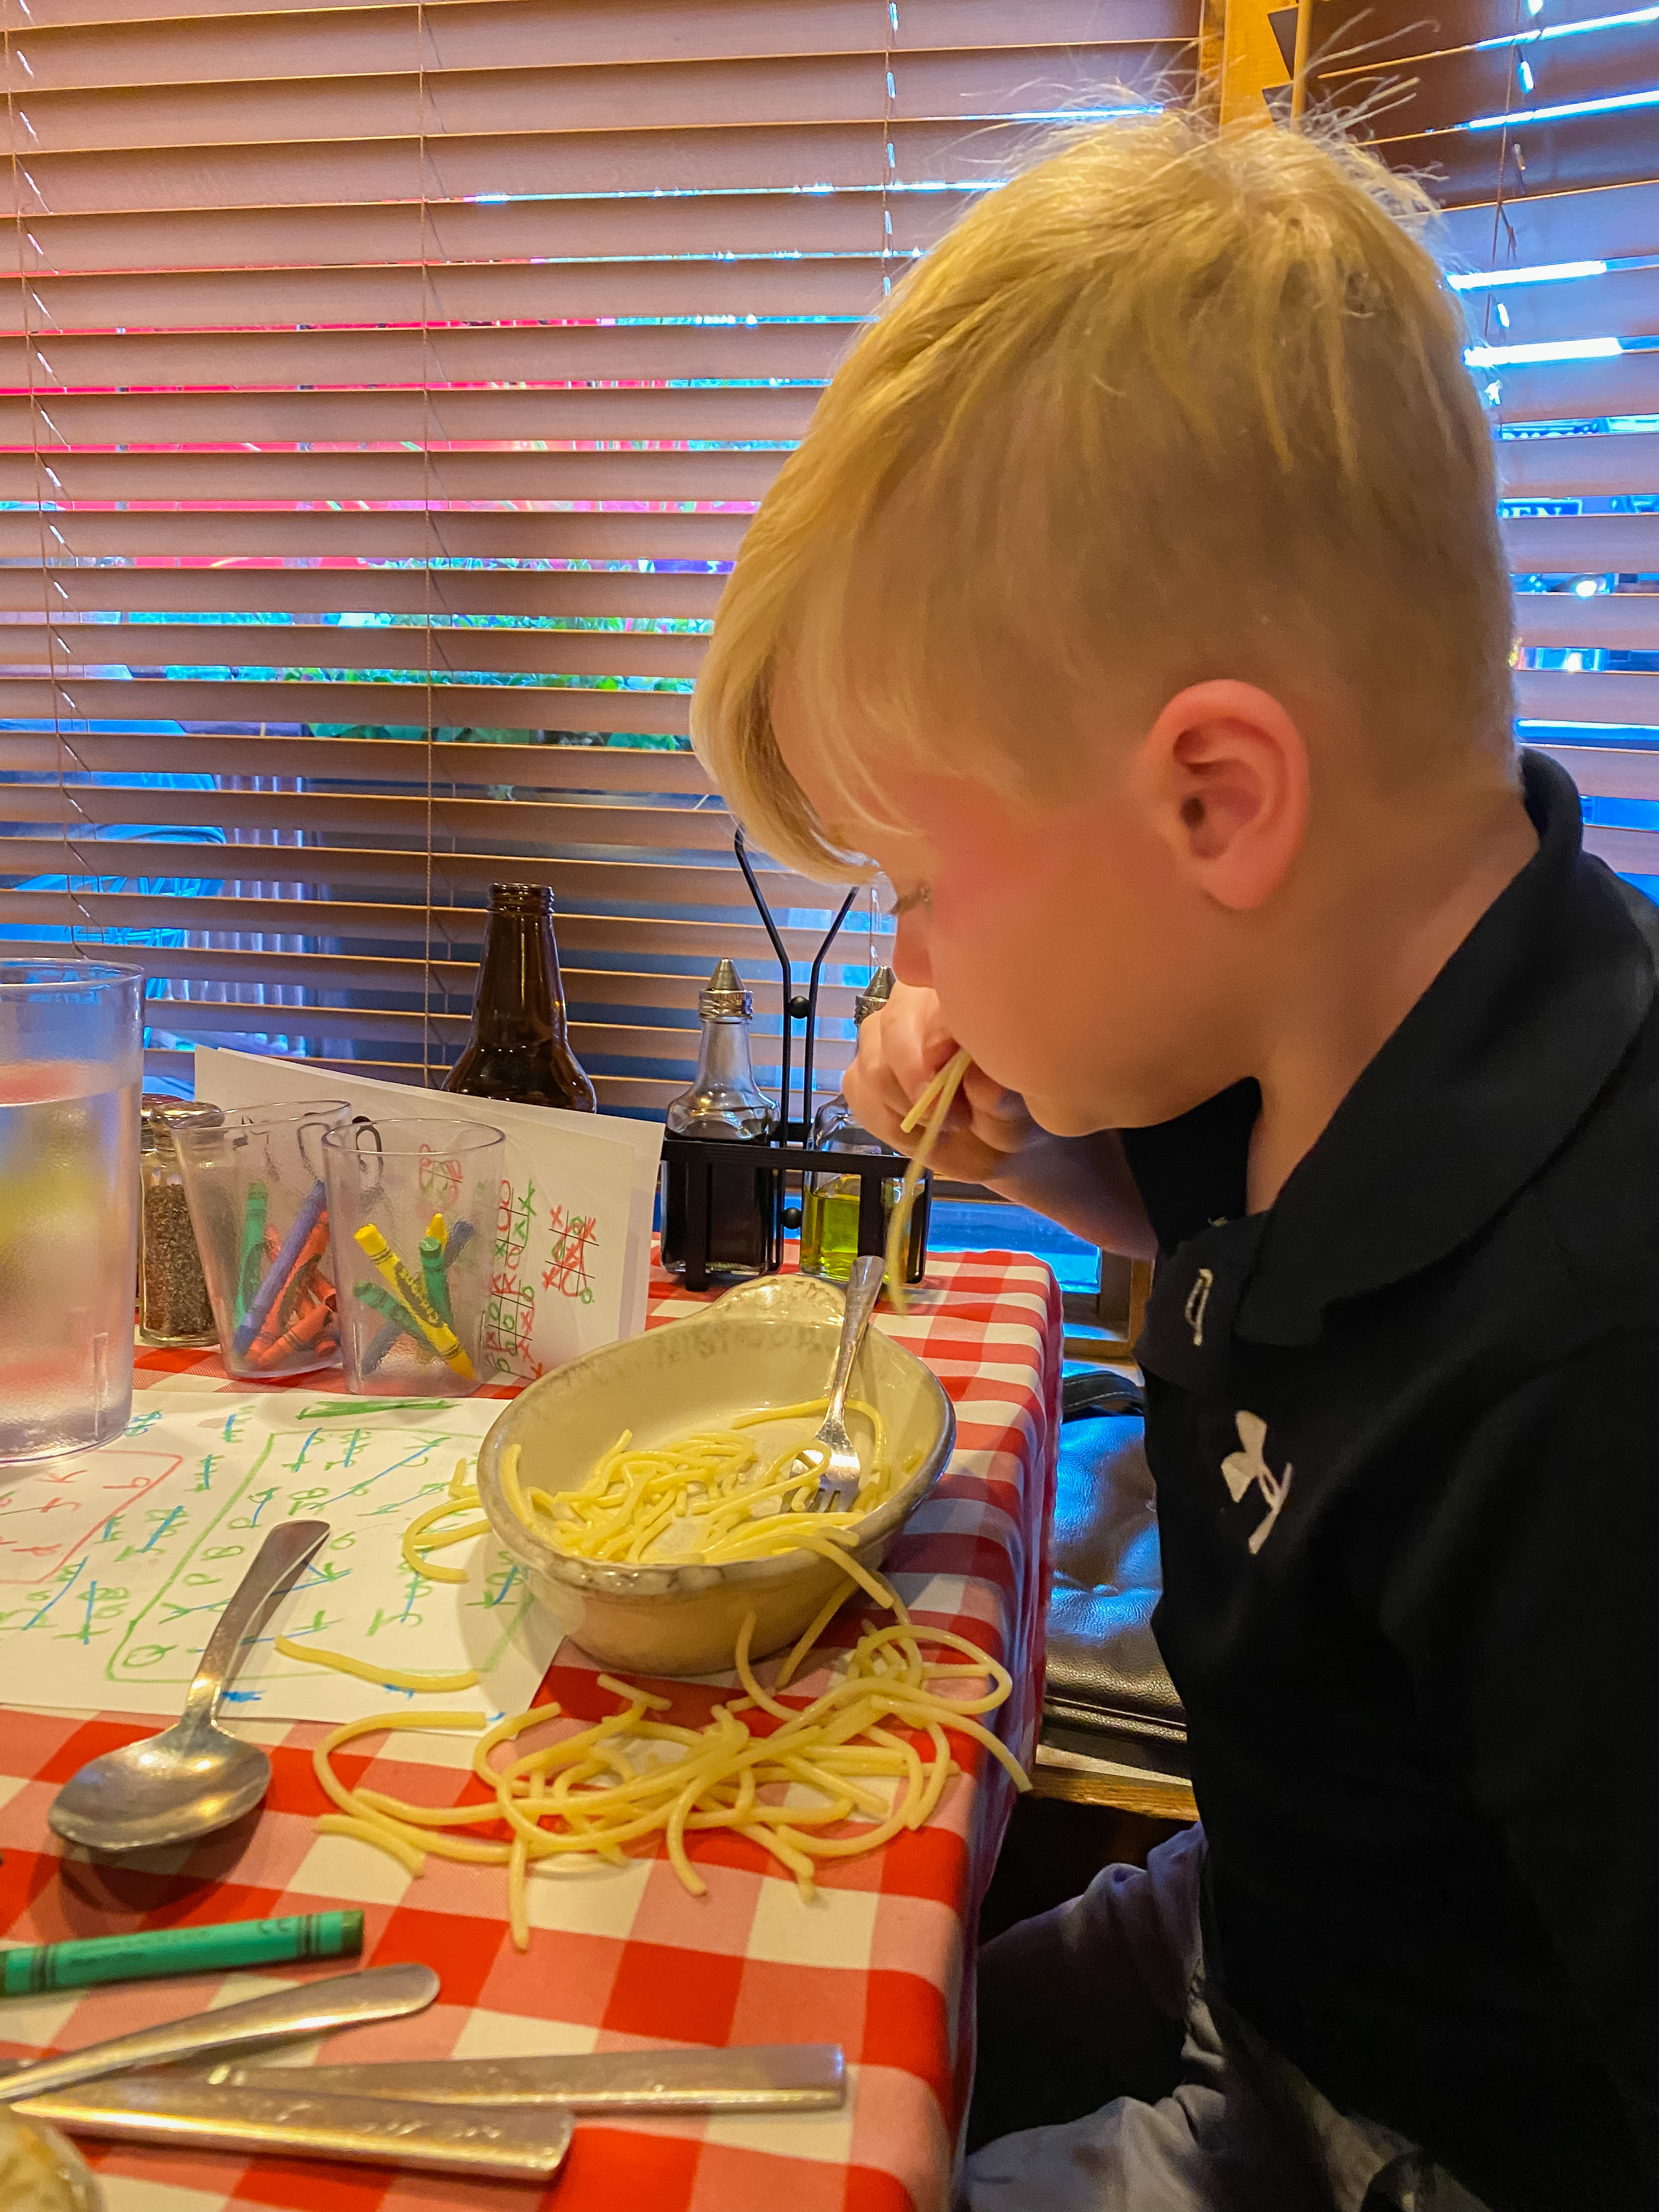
755 1357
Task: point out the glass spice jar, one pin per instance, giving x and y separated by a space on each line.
172 1298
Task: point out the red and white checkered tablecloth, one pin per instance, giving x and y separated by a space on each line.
622 1959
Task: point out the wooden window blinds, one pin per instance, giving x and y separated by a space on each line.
385 389
1536 124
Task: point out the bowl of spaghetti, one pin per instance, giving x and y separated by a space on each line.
654 1491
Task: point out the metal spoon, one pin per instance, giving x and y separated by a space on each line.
840 1471
193 1778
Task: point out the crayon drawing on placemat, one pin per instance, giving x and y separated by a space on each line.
115 1564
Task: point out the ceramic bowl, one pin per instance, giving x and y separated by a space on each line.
767 1343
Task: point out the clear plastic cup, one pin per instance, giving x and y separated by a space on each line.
413 1207
71 1067
259 1207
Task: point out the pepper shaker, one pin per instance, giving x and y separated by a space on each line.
172 1299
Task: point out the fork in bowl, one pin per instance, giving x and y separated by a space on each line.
840 1473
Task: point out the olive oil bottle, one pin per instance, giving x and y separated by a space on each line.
830 1205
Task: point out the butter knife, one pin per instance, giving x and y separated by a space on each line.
184 2112
791 2077
311 2008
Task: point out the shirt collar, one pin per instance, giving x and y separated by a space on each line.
1483 1079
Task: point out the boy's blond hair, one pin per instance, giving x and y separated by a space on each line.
1175 403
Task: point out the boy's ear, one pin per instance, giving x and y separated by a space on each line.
1224 772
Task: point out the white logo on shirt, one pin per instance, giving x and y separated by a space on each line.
1198 1299
1242 1468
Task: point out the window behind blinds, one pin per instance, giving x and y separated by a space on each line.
384 390
1537 126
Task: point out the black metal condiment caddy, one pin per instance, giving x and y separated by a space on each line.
791 1153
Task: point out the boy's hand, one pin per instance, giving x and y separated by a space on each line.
900 1048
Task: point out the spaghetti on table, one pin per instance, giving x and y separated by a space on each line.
785 1782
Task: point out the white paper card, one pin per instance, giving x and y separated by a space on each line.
571 1242
116 1563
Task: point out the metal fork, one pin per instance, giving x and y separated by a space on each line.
838 1486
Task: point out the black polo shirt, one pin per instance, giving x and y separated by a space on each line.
1405 1427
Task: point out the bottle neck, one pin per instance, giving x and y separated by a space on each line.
520 995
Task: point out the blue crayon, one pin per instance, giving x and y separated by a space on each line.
309 1214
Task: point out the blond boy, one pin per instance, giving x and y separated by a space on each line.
1135 603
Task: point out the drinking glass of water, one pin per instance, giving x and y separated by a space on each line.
71 1067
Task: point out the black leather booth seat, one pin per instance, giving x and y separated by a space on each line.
1106 1694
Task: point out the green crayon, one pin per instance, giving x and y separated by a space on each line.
435 1281
27 1968
250 1259
389 1304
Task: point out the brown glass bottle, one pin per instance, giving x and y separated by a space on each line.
520 1049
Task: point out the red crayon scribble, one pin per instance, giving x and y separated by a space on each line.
510 1308
29 1535
566 1259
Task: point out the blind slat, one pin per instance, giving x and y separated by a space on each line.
1553 227
402 820
735 413
1569 390
271 299
591 652
569 594
622 1094
584 987
1609 771
1624 622
186 477
453 930
744 223
210 1018
1589 467
69 647
532 768
717 158
322 534
1560 543
644 1095
1633 851
552 355
1556 695
625 882
1623 304
93 647
477 706
1573 155
1440 90
181 43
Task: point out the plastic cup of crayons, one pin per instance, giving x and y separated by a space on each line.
412 1205
254 1182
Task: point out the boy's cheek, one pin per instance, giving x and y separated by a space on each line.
912 962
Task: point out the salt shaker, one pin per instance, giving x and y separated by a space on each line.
172 1298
